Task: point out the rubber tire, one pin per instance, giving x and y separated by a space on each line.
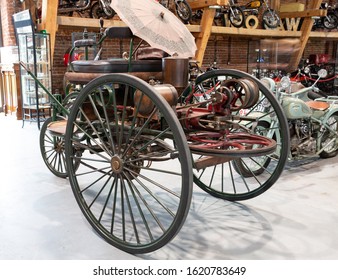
96 12
267 24
188 15
241 15
330 23
333 153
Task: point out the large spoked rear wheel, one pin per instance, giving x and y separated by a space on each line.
245 175
134 181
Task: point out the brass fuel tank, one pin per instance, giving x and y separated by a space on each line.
176 72
146 105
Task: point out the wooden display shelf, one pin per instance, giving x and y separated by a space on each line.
203 31
263 33
86 22
71 22
303 14
200 4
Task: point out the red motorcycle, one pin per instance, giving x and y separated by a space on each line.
307 74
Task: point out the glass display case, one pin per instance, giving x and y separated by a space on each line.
270 57
259 59
34 51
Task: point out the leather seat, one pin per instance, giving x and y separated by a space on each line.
318 105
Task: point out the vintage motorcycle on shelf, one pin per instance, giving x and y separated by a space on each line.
330 21
270 18
102 9
231 12
180 7
96 9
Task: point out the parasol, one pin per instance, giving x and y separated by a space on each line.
156 25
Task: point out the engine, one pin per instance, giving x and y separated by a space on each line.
302 141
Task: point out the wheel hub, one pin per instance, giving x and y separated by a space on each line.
59 147
116 164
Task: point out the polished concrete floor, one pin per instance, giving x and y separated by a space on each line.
39 218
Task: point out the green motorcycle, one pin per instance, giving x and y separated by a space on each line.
312 119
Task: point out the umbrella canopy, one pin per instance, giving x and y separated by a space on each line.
156 25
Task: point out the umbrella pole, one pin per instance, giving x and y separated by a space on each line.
137 47
131 46
132 51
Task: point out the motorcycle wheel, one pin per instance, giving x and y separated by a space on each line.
236 16
96 11
329 140
270 19
253 166
183 11
330 21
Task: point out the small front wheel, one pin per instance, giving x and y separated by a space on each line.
53 151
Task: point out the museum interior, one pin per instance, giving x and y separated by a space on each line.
168 129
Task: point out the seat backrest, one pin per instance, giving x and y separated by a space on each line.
84 43
119 32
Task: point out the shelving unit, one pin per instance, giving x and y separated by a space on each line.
203 31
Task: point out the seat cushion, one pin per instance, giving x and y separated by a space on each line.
116 66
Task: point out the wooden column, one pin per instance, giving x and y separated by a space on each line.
305 34
18 91
275 4
49 21
203 36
